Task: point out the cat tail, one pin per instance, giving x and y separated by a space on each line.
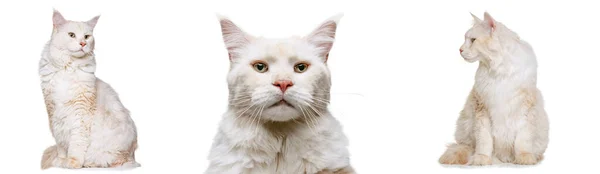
456 154
49 157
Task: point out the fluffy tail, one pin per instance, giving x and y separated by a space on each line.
49 157
456 154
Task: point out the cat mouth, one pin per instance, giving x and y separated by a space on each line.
282 102
78 51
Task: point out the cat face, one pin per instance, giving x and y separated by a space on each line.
74 37
279 79
478 38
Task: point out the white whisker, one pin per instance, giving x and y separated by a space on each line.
307 120
259 117
240 102
243 112
253 117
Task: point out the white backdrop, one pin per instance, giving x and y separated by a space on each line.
398 80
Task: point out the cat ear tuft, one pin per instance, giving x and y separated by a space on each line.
324 35
58 19
233 36
489 21
92 22
476 20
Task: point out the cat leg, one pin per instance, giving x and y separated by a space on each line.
131 163
116 121
78 144
524 154
84 106
123 159
484 143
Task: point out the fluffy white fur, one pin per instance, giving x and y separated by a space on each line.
268 129
504 119
90 125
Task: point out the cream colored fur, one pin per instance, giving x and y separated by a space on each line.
504 119
269 130
90 125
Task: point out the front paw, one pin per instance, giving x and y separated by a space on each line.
526 159
73 163
480 160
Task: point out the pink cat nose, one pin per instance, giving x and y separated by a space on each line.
460 50
283 84
82 44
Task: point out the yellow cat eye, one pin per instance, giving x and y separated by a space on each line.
88 36
72 34
300 67
472 40
260 67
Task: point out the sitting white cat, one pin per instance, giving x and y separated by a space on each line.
278 121
504 119
90 125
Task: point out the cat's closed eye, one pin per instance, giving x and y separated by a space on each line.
472 40
300 67
87 36
260 67
72 34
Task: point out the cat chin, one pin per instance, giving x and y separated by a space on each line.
78 54
470 60
281 113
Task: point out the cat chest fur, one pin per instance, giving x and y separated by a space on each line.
504 105
290 153
280 148
72 96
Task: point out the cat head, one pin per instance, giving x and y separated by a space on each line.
73 37
484 39
279 79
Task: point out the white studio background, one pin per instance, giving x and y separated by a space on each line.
398 80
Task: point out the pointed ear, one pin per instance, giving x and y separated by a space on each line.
476 20
92 22
58 19
324 35
233 36
489 21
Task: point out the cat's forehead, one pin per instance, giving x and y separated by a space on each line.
76 27
278 49
474 31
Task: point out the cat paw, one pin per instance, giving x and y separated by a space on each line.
73 163
526 159
480 160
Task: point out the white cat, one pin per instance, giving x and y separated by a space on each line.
504 119
90 125
278 121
